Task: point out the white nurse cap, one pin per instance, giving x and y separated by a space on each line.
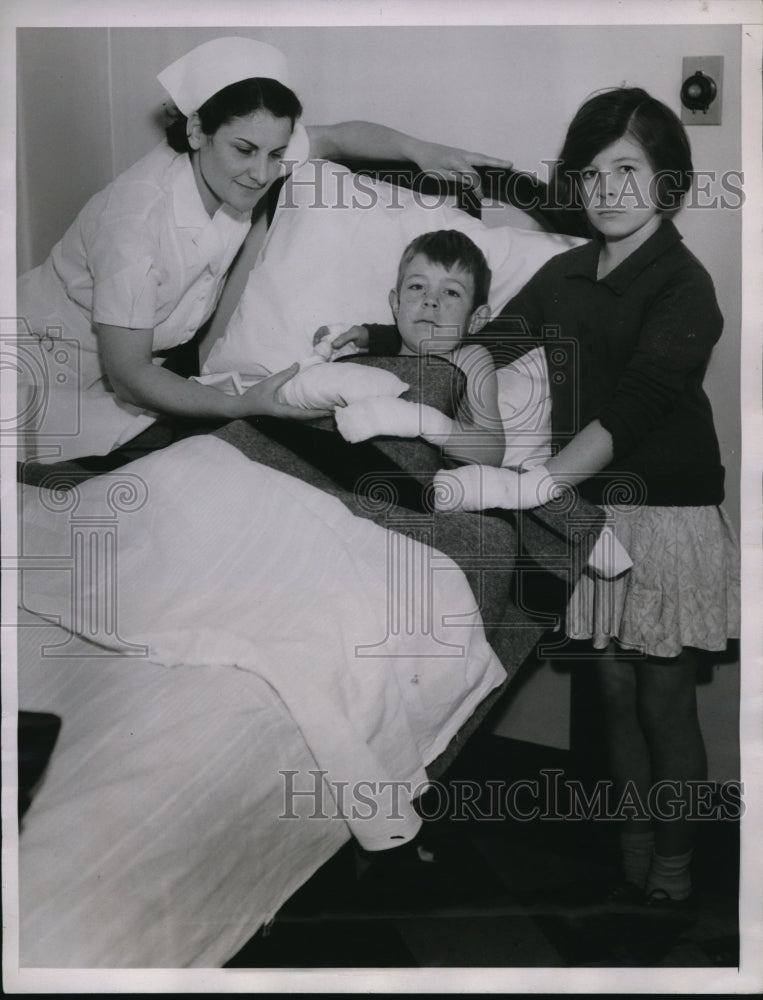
200 73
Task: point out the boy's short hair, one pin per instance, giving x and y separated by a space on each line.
450 248
632 113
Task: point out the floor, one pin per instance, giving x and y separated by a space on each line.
502 892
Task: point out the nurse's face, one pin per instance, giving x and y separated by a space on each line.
237 164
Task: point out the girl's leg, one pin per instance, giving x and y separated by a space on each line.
667 706
629 762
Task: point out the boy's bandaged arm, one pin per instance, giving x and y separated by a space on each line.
477 487
384 416
480 487
388 417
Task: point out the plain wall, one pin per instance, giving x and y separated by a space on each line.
89 106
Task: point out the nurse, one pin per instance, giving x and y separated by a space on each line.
142 267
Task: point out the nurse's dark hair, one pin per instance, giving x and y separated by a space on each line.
236 101
630 113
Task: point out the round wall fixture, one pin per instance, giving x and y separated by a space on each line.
698 92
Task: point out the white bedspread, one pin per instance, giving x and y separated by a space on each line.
297 635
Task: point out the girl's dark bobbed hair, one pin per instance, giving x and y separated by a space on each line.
235 101
631 113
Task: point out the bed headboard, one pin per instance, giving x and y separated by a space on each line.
517 188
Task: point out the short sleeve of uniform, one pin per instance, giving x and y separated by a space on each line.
126 275
298 150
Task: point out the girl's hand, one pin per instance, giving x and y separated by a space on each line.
453 163
260 400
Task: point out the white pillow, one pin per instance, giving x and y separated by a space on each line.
332 253
524 402
326 385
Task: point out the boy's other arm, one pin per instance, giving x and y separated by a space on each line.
378 339
384 340
477 430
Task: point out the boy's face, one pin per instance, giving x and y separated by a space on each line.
433 307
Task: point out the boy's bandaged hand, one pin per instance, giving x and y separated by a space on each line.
338 340
392 418
482 487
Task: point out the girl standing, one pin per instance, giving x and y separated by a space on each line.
633 431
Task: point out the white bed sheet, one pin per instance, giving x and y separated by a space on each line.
155 839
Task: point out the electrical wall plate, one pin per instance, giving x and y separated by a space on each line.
711 66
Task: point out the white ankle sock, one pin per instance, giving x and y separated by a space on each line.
636 849
671 874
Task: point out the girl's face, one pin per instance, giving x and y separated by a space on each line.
619 190
237 164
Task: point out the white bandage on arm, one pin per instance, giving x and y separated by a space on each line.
392 418
483 487
324 349
435 427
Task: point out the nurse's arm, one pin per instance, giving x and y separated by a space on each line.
368 141
127 360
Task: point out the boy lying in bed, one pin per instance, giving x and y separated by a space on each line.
439 301
442 286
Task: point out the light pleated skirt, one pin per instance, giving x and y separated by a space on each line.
683 588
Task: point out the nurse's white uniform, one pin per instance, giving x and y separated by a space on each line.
142 254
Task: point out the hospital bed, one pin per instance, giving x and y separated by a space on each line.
159 835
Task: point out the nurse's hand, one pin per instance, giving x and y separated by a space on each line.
260 400
368 141
453 163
